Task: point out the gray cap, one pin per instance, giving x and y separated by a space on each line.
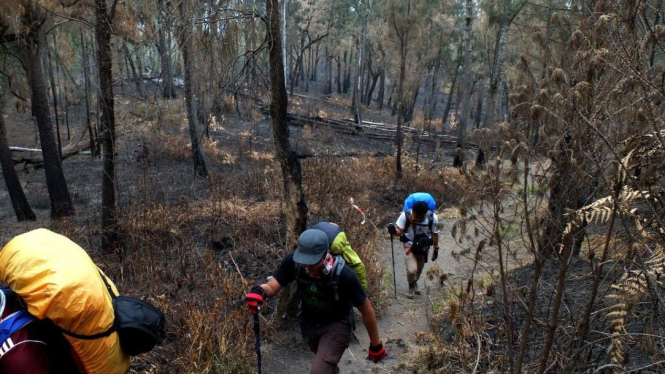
312 245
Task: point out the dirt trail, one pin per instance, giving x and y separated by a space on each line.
399 323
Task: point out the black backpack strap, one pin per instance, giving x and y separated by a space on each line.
430 218
337 270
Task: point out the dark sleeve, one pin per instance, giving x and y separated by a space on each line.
286 272
350 286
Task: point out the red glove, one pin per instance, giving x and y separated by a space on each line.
408 251
255 299
376 353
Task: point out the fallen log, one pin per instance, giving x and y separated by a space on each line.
23 149
38 161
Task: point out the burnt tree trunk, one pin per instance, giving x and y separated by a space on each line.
294 196
451 95
61 202
94 151
463 117
347 77
16 195
138 78
107 122
200 167
382 88
54 91
168 89
339 76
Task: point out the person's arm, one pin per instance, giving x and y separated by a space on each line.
370 322
435 239
400 224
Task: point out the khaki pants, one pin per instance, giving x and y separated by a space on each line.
328 342
414 265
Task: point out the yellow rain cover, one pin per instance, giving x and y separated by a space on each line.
59 281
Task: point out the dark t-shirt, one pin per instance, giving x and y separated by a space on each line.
38 348
318 298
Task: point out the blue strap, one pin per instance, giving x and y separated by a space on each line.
15 322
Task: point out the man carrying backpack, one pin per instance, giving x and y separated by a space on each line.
417 228
329 291
29 345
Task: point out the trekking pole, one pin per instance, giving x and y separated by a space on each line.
392 249
257 336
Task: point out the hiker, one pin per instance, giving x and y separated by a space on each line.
329 291
417 228
339 246
29 345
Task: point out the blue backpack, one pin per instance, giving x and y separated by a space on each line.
14 322
419 196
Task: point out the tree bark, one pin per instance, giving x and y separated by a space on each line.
61 202
200 167
463 118
138 79
16 195
339 75
329 68
294 196
382 88
357 86
451 94
496 74
94 152
434 91
370 91
168 90
347 77
403 51
107 122
54 91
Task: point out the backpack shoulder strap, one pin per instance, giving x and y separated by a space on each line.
15 322
337 270
430 220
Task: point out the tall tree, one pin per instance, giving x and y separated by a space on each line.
294 196
463 116
185 40
33 20
104 15
16 195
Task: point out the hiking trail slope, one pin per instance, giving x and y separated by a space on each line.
400 320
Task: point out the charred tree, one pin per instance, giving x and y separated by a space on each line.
107 123
61 202
294 196
16 195
200 167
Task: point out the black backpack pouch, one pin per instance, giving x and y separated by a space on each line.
421 244
140 325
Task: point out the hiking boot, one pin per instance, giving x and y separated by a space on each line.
412 291
415 289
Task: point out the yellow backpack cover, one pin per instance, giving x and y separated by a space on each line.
58 280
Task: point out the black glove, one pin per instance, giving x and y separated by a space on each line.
392 230
376 353
435 255
255 299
